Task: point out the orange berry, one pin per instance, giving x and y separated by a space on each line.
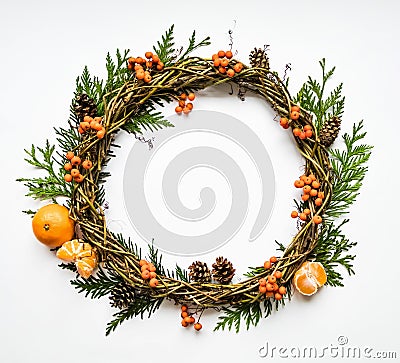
306 211
152 268
318 202
278 296
186 110
305 197
282 290
149 64
155 58
184 308
182 103
303 216
191 96
217 62
221 54
137 67
79 178
81 130
321 195
307 189
188 319
178 109
74 173
296 131
267 265
160 66
302 135
294 115
275 287
294 214
222 70
85 125
69 155
100 134
142 263
197 326
140 74
145 267
273 259
307 180
97 126
184 314
153 282
130 66
269 294
271 279
228 54
262 289
131 60
270 287
303 177
295 108
152 274
147 78
313 192
68 167
148 55
145 275
92 124
315 184
262 281
183 96
139 60
230 72
68 178
278 274
317 219
184 323
87 119
189 105
191 320
307 127
312 177
224 62
299 183
308 133
87 164
214 56
238 67
284 121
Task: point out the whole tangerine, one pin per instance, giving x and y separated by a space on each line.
52 225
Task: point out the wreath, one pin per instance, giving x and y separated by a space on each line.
109 264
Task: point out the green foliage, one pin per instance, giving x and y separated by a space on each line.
128 245
166 51
193 45
140 306
349 167
99 285
311 97
332 250
181 274
68 266
148 121
53 184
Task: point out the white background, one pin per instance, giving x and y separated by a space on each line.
44 46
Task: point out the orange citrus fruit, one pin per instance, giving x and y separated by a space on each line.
71 250
86 265
309 277
52 225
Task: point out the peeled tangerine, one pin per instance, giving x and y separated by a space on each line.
81 253
309 277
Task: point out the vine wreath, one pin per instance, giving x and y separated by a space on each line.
128 100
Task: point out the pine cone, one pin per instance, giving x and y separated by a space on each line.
199 272
258 58
329 131
85 106
223 270
122 296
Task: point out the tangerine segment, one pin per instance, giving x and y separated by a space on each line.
70 249
304 284
52 226
86 265
318 273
